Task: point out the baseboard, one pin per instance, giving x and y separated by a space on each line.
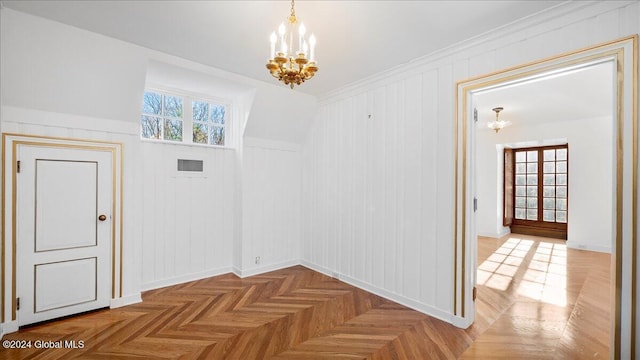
8 327
185 278
596 248
410 303
125 300
494 235
264 269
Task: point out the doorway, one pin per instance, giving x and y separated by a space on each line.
63 231
622 54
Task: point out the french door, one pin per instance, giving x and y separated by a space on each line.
536 190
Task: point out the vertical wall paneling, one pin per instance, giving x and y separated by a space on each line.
396 237
271 205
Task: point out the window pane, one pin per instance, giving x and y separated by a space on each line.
217 135
532 156
217 114
549 203
532 168
521 191
532 179
200 133
200 112
520 180
521 156
173 107
150 127
549 215
532 214
561 192
152 103
521 201
561 216
532 203
521 168
549 191
561 204
549 179
549 155
561 154
532 191
549 167
561 167
521 214
562 179
173 129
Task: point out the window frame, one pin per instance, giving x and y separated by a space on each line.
537 227
188 98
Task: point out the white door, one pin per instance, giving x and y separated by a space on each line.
64 202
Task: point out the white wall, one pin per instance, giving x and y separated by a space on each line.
591 156
378 193
271 205
57 80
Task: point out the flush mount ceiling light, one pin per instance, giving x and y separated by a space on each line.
497 124
292 58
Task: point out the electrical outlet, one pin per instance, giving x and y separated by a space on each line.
257 259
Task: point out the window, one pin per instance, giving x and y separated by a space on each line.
535 189
208 123
161 117
183 119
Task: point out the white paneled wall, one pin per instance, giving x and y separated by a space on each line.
378 191
188 217
371 185
271 205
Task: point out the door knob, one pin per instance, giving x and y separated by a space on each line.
102 217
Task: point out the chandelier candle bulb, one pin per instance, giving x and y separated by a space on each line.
312 43
273 39
290 65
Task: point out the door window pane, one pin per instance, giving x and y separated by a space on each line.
521 191
549 215
550 155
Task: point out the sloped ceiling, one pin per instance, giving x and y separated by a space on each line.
356 39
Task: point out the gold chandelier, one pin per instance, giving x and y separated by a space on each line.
285 64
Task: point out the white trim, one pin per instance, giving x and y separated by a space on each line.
8 327
125 300
410 303
580 246
185 278
16 115
265 269
271 144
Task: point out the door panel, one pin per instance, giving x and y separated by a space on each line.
63 248
56 284
65 210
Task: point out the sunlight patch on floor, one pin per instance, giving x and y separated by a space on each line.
545 274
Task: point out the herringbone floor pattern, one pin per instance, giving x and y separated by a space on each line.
536 300
293 313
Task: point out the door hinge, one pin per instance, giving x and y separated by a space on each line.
17 303
475 115
475 293
18 166
475 204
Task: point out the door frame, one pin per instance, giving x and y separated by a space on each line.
10 142
624 53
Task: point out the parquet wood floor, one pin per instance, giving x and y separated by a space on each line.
525 310
539 300
293 313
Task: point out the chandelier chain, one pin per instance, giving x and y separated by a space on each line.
293 10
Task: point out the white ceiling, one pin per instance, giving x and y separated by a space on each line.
583 93
356 39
